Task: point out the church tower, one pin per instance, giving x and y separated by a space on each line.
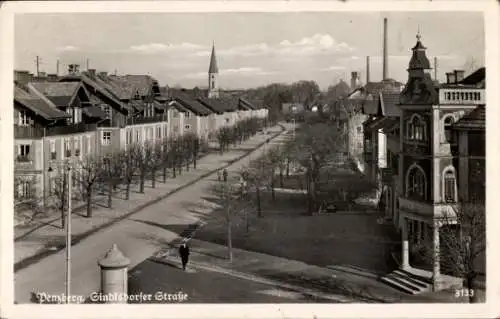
213 74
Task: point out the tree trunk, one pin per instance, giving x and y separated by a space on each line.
174 171
110 194
229 238
188 160
164 174
259 206
287 168
282 182
141 185
273 194
195 157
472 293
153 177
127 191
89 202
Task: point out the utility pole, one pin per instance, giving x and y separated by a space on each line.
57 68
68 238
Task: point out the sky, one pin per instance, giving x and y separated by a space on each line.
252 49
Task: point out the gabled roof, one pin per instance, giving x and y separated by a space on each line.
229 102
94 111
37 105
246 104
128 85
94 85
192 104
213 105
389 103
60 93
475 120
477 78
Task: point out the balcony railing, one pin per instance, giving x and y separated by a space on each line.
28 132
71 129
462 96
437 210
146 120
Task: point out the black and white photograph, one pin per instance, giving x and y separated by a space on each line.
243 157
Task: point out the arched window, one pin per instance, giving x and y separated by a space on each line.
416 183
449 185
416 128
447 123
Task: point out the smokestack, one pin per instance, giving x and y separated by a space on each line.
385 58
367 69
435 68
354 80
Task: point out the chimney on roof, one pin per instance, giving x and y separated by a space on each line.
74 69
23 77
354 80
450 78
92 72
367 69
459 75
385 73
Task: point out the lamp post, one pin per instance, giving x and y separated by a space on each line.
68 231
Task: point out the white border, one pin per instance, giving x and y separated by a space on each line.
491 11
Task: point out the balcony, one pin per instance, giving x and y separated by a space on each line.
24 162
27 132
147 120
428 209
71 129
462 96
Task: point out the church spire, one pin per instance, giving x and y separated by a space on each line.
213 68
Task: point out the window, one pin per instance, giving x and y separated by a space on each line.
416 128
106 138
24 119
448 122
187 126
53 153
416 183
175 113
359 129
158 132
24 190
77 115
137 136
129 137
76 143
107 110
213 84
227 120
67 147
449 186
23 152
187 114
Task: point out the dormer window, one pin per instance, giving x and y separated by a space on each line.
447 123
24 118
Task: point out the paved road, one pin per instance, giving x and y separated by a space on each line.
138 237
203 286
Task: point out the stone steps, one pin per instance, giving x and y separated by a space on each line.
409 283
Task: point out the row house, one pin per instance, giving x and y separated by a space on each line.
434 136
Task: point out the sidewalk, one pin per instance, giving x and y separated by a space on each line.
32 244
341 283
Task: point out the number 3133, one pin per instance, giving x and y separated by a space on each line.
464 293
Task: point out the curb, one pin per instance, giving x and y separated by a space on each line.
26 262
251 277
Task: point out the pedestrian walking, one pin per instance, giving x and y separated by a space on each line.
224 174
184 253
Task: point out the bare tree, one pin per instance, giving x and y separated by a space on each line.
255 176
463 245
130 157
26 202
231 200
58 192
155 159
89 169
113 169
315 146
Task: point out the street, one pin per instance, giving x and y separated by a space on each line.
138 237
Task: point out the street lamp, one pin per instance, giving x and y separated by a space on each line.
68 232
